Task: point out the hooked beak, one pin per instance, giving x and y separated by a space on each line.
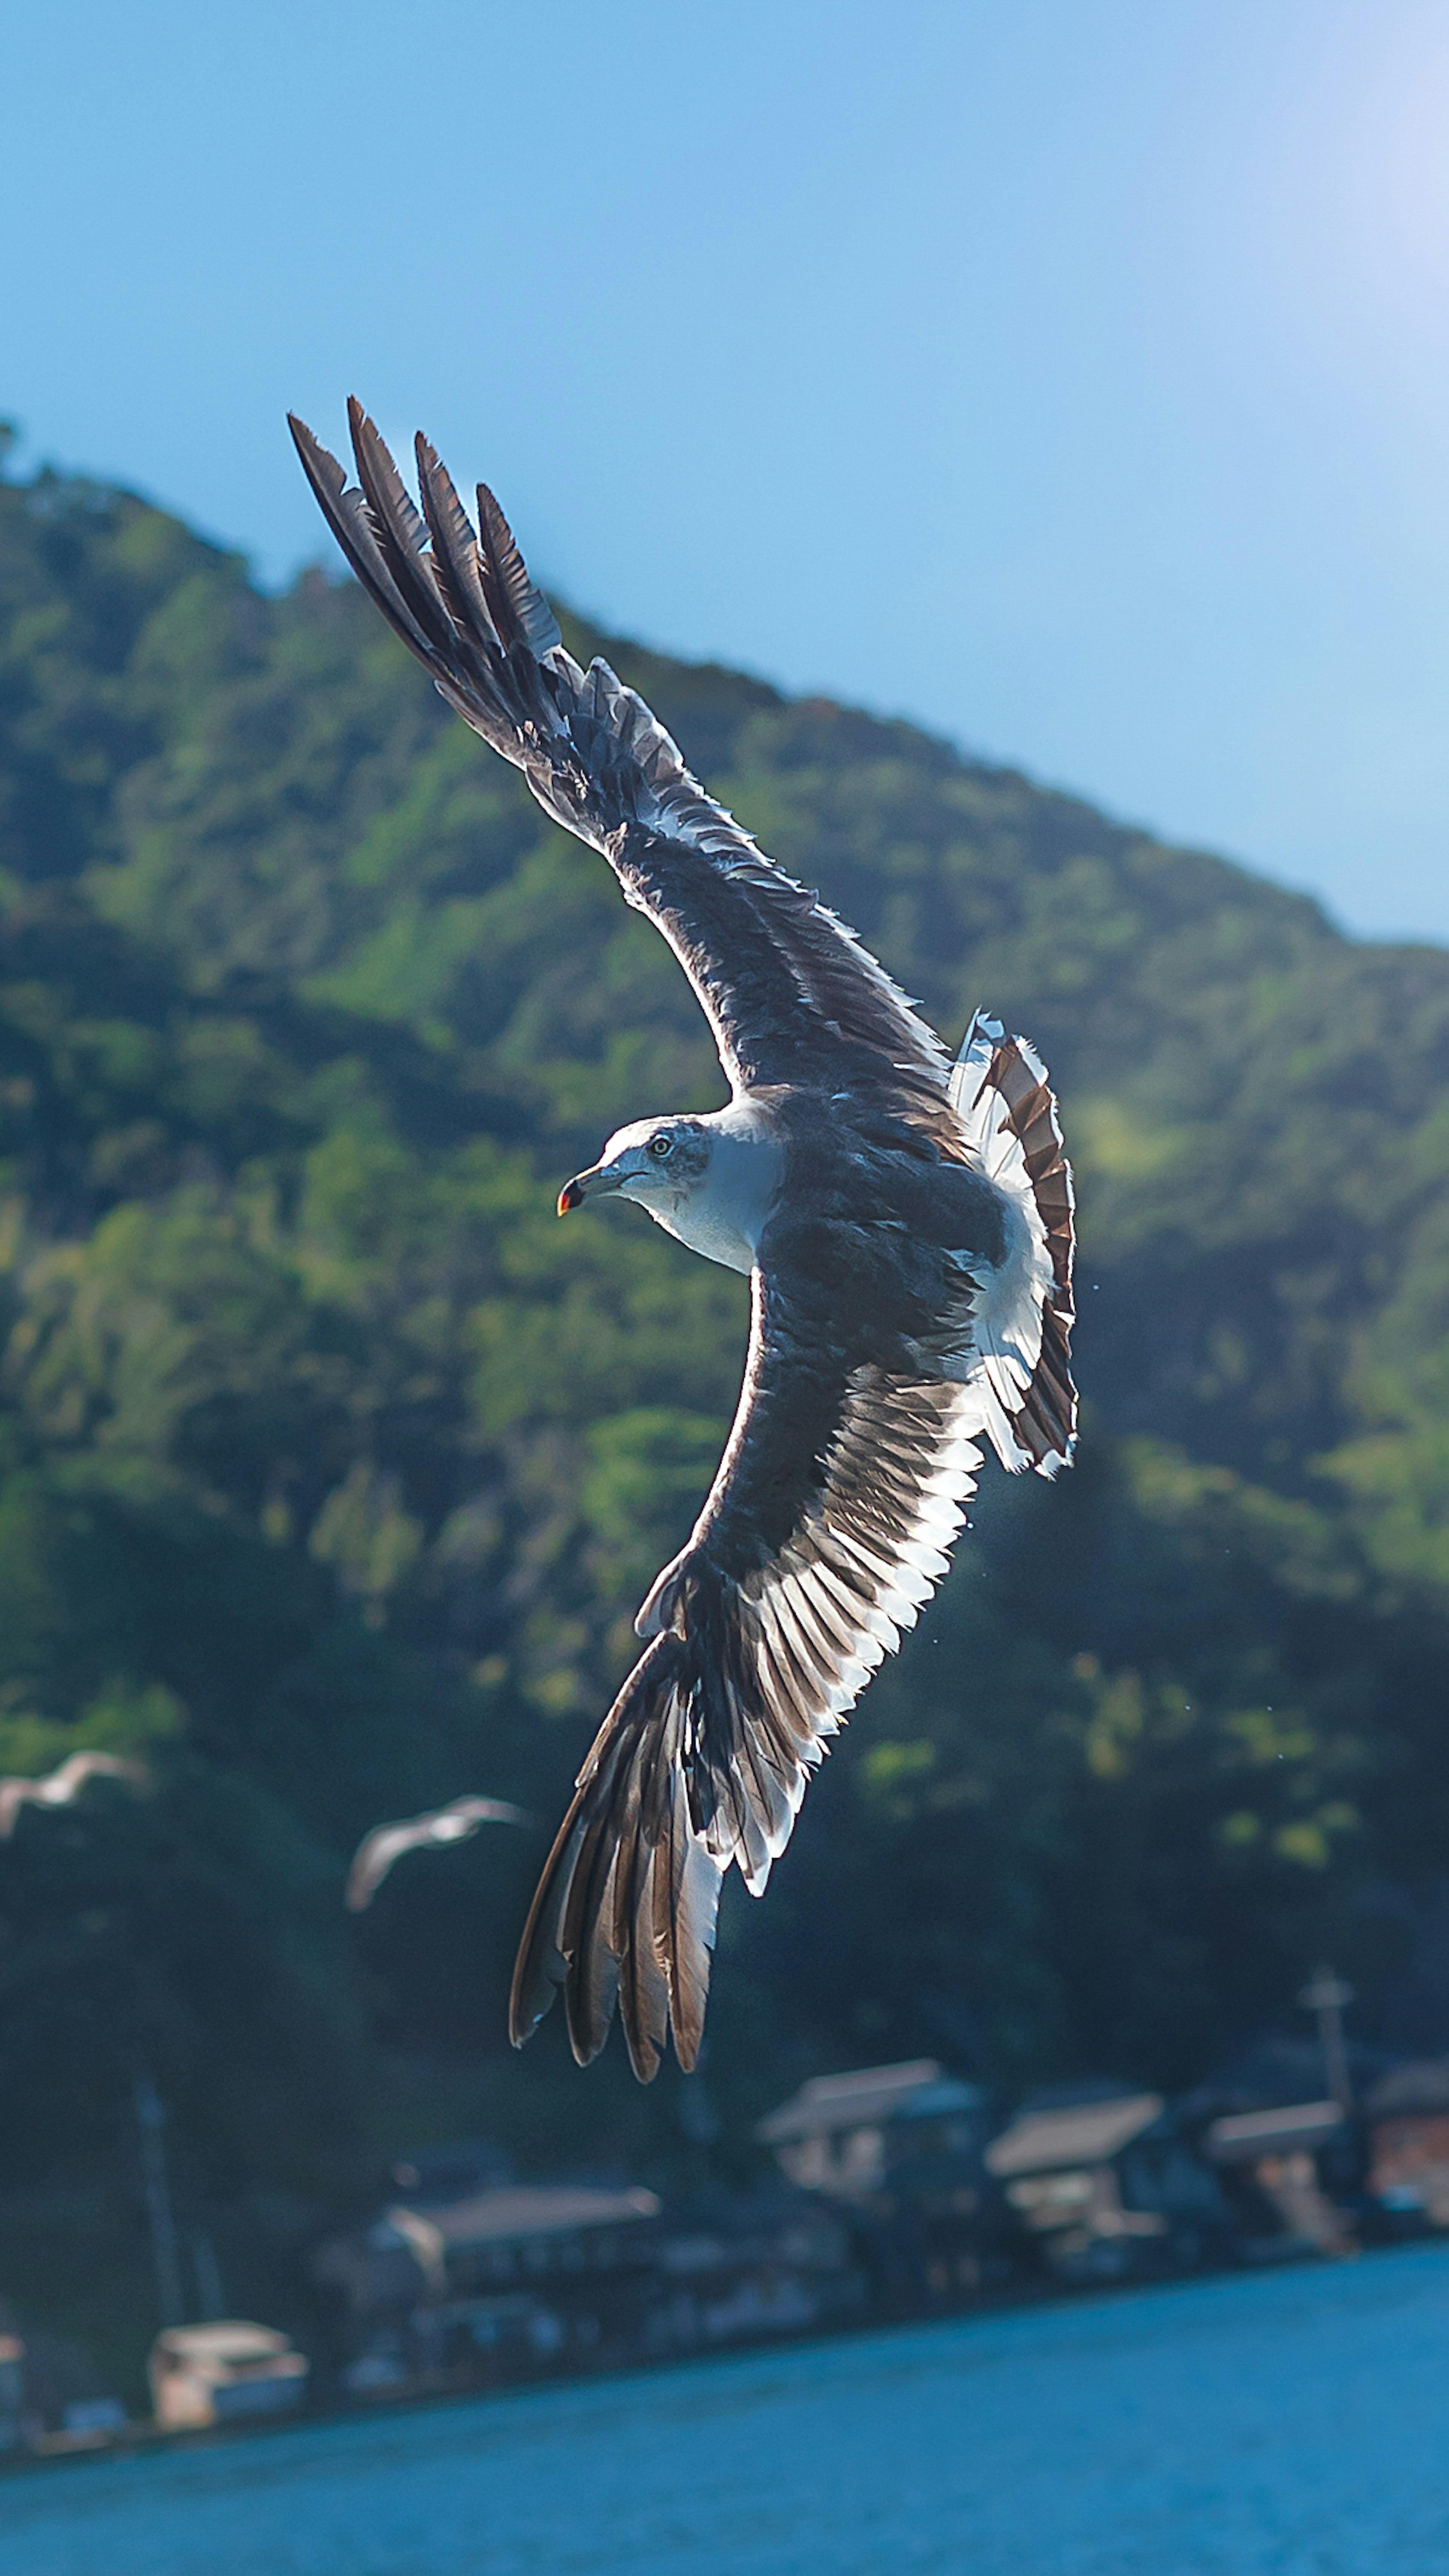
595 1182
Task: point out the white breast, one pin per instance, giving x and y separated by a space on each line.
710 1231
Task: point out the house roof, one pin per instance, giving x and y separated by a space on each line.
1244 2135
1088 2133
522 2210
918 2089
1421 2086
228 2339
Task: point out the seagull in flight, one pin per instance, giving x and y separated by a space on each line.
907 1230
60 1787
377 1852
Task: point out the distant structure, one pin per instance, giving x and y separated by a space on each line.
1277 2160
380 1850
1327 1996
841 2134
898 2151
1408 2118
515 2278
519 2279
1107 2187
60 1787
12 2392
222 2373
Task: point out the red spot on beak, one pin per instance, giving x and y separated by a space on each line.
569 1197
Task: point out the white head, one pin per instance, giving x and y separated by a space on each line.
710 1181
660 1163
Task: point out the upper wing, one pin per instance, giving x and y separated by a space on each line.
377 1852
474 1812
375 1855
838 1496
69 1777
790 993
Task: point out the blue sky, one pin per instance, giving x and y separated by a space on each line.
1068 374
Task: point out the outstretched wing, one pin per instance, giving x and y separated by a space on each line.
470 1813
70 1776
790 993
58 1787
838 1497
14 1794
386 1844
377 1852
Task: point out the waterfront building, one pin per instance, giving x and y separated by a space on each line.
748 2267
222 2373
843 2134
522 2279
1408 2137
519 2277
1281 2172
899 2148
1107 2186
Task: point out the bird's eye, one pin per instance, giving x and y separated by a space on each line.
659 1146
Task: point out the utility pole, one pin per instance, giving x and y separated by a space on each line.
1325 1996
151 2124
208 2277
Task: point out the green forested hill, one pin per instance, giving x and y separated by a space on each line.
331 1468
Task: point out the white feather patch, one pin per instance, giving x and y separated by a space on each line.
1009 1310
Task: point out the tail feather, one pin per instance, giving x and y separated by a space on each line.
1020 1361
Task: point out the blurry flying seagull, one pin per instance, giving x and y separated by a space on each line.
906 1226
59 1787
386 1844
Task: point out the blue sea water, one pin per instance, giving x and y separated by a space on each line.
1281 2424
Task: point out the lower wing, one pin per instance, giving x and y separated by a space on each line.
766 1637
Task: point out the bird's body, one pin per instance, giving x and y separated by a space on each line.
907 1230
58 1788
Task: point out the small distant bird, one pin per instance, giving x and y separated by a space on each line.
60 1787
906 1226
379 1850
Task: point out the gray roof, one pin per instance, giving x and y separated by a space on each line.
527 2210
915 2090
1244 2135
1088 2133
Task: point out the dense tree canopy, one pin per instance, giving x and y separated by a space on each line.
331 1469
